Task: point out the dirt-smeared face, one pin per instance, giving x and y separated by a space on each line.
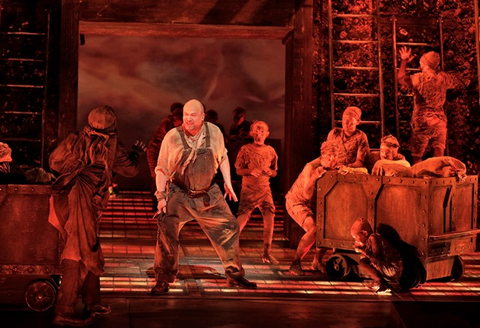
349 124
387 152
359 238
259 132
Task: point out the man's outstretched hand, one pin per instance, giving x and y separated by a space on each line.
230 193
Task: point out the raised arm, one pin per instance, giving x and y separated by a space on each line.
310 186
405 55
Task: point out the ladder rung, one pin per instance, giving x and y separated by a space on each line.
22 86
20 113
360 68
23 33
364 122
371 122
410 69
22 59
354 15
357 94
416 44
355 41
425 21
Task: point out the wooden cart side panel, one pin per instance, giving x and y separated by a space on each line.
464 206
440 206
402 206
324 186
345 203
27 237
341 199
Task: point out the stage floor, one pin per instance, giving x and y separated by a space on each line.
200 298
128 233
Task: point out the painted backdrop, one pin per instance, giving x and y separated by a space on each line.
141 76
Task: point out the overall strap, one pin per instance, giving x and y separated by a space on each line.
182 135
207 135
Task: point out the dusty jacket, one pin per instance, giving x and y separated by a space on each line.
85 161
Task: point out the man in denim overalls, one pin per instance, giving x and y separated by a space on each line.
189 158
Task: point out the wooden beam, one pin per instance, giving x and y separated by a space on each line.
68 74
183 30
204 12
298 104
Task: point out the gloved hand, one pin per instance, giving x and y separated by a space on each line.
138 149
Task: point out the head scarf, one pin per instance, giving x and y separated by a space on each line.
102 118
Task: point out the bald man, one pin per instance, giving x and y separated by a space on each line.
189 158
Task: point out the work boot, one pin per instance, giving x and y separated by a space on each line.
160 288
317 266
240 282
383 288
96 308
67 319
269 259
296 269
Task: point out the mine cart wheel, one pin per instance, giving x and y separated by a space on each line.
338 266
40 295
458 268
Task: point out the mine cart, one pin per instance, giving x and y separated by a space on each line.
431 221
29 247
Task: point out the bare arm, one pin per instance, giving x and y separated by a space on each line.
225 169
403 78
309 188
272 170
161 182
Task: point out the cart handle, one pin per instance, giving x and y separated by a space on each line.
452 235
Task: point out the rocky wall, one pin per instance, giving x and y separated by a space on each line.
447 27
416 22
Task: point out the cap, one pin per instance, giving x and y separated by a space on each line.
328 147
432 59
390 141
354 112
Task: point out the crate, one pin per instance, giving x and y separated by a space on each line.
437 217
30 247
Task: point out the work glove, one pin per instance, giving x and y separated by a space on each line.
138 149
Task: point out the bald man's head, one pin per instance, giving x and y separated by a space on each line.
193 116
